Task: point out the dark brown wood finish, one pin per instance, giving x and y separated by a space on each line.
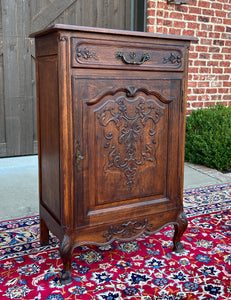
111 119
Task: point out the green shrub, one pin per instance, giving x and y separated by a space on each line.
208 137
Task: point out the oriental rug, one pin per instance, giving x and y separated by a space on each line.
143 269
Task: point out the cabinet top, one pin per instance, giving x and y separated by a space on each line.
64 27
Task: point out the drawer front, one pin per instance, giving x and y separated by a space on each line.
91 53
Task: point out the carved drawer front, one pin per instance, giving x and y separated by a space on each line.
108 54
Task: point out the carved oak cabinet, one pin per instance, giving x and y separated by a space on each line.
111 122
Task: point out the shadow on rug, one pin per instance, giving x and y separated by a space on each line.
145 268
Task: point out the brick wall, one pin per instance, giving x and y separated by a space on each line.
210 59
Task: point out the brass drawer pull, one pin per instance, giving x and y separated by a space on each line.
131 58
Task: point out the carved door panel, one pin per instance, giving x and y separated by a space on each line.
125 147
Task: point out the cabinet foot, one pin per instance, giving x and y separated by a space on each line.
66 249
180 228
44 233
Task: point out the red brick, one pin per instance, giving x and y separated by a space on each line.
193 25
193 55
227 21
214 49
176 15
203 19
223 91
228 56
228 43
226 36
218 70
225 63
216 5
197 104
189 33
211 91
205 70
204 56
200 63
216 97
215 35
151 4
216 83
150 29
206 27
179 24
208 12
227 7
203 84
212 103
167 23
190 18
226 50
206 41
193 70
204 4
150 21
192 84
202 48
160 5
159 21
219 28
203 97
160 13
217 56
175 31
214 63
182 8
220 13
218 42
190 77
227 101
199 91
195 10
199 77
223 77
151 13
202 33
166 14
192 97
227 70
216 20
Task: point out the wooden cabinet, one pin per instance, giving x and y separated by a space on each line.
111 119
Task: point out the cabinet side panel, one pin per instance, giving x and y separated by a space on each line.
49 135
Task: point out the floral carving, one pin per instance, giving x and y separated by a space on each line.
130 134
128 229
173 59
85 53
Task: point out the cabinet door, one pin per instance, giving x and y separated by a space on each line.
126 133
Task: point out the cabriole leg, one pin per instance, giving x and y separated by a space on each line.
180 228
66 256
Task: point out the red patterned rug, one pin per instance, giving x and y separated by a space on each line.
143 269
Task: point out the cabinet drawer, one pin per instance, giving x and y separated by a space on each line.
106 54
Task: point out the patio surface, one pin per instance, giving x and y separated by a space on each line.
19 184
